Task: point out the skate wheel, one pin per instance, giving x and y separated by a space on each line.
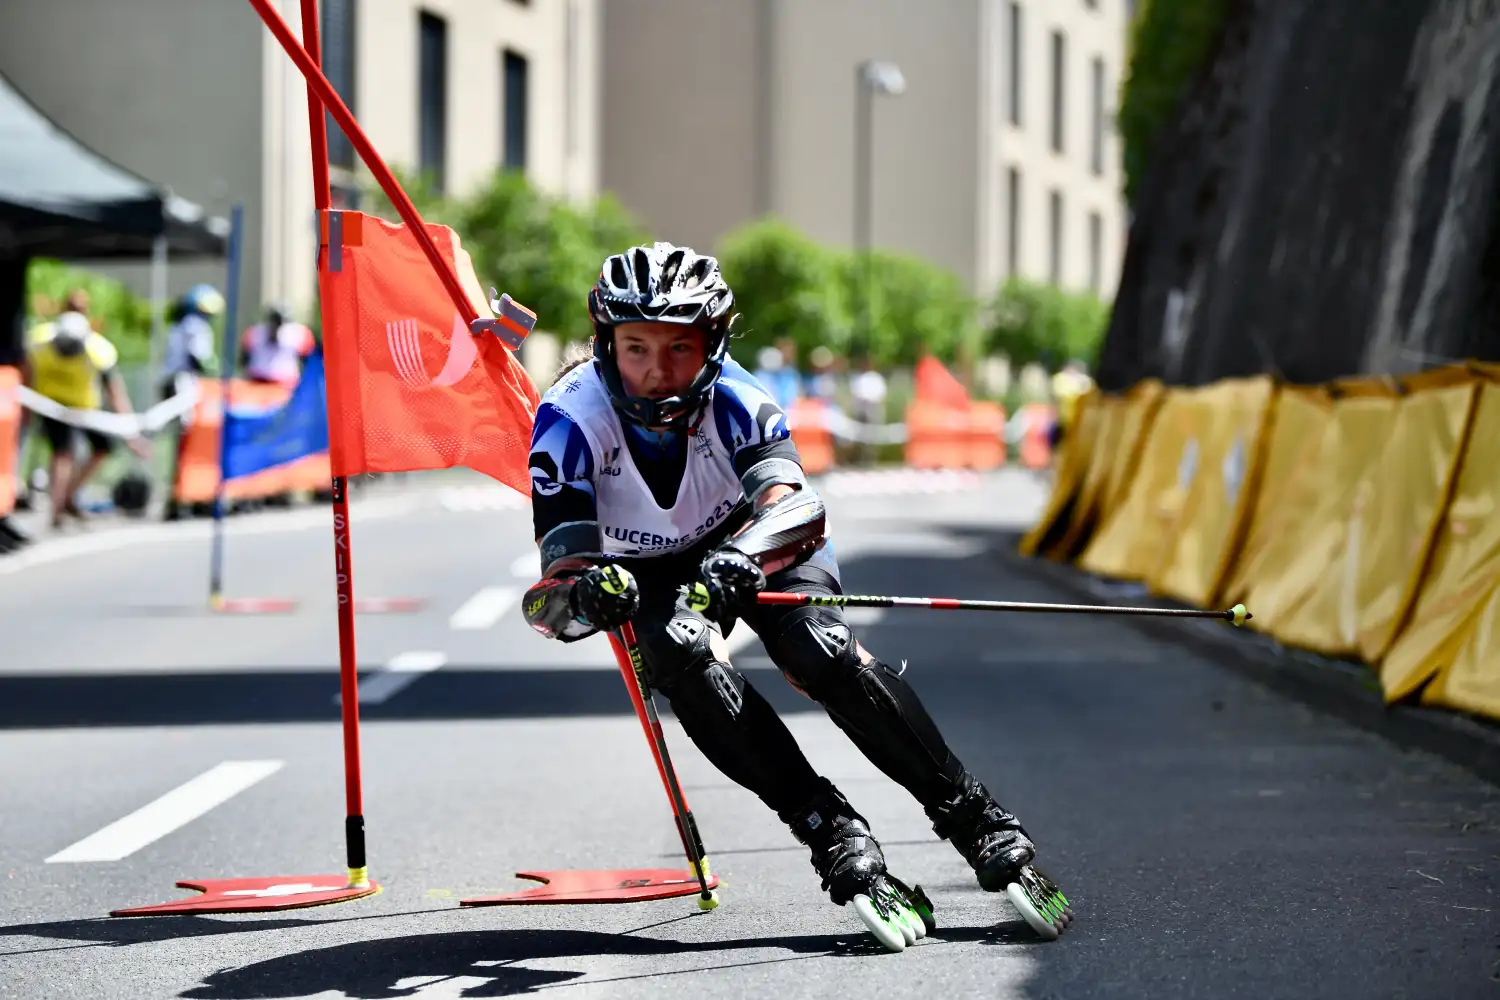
885 932
917 923
901 917
711 902
1039 921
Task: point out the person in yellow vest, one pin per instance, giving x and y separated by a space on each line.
72 365
1068 387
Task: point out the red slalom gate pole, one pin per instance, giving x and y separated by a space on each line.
343 560
627 654
320 90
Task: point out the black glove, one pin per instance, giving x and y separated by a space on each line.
730 579
605 597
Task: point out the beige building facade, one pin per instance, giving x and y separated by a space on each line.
1000 156
196 94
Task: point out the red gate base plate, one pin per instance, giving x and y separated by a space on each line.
388 605
252 605
256 895
580 886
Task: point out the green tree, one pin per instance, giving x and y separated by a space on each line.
916 307
785 285
1169 42
543 251
1032 322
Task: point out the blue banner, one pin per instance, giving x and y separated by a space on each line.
255 439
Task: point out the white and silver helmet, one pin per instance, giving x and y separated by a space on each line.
661 283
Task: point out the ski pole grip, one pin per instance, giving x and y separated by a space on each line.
698 597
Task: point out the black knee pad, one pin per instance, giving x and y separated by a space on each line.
680 663
673 647
815 650
869 701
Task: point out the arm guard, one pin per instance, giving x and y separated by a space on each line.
549 602
783 533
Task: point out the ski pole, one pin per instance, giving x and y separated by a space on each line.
1238 615
628 654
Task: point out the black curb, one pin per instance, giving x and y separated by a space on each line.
1345 690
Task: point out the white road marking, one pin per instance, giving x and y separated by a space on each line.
176 808
528 565
402 671
742 638
484 609
50 550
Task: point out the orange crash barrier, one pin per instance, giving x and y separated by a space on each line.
944 436
1036 442
10 436
810 434
198 467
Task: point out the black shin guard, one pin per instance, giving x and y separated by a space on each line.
726 718
750 745
870 702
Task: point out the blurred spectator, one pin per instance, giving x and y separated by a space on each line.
190 354
821 383
868 389
779 378
274 349
68 363
190 339
1068 387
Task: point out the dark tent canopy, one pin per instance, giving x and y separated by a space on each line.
59 198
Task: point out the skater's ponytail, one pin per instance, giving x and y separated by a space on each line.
575 355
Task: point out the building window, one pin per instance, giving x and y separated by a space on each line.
1013 220
336 38
1096 252
1055 226
1096 145
432 98
1015 62
513 129
1059 60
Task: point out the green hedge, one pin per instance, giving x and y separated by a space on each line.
543 251
787 285
1169 41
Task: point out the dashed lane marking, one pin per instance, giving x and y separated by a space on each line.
171 811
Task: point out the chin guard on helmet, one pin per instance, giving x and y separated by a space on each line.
661 283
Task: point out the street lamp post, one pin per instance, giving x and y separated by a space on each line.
871 77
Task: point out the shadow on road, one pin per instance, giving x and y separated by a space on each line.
486 963
291 695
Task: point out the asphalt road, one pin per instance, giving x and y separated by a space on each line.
1216 840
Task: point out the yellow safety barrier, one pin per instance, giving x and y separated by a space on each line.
1299 602
1360 518
1072 464
1103 448
1460 579
1132 541
1399 509
1143 401
1226 423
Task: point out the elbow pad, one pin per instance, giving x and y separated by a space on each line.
783 533
548 604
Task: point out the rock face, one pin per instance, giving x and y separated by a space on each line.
1326 201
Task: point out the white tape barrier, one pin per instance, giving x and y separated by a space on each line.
121 425
844 427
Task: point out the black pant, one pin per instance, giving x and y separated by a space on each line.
61 437
739 732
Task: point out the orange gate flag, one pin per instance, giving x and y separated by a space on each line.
409 387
